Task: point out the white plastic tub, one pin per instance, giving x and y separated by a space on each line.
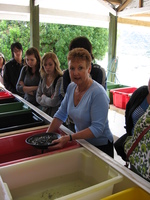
4 191
75 174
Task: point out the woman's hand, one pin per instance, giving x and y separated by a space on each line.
60 143
21 83
43 96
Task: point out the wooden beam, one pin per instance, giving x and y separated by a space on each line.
142 15
14 8
115 2
72 14
134 11
133 22
124 5
140 3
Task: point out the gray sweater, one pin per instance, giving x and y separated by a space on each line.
29 80
49 97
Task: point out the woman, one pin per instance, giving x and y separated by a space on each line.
137 146
97 73
48 93
87 103
30 76
136 107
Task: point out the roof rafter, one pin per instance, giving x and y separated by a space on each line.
124 5
134 11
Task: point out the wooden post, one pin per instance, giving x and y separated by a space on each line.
34 25
112 64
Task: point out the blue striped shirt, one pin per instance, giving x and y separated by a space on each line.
138 112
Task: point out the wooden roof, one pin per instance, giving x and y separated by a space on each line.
136 12
79 12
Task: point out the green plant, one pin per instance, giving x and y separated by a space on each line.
53 37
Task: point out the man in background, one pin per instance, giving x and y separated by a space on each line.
13 67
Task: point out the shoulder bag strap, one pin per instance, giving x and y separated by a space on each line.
137 141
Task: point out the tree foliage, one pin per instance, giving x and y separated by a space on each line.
53 37
13 31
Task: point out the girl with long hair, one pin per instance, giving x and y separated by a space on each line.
30 76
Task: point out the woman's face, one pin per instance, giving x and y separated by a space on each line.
31 61
49 66
79 73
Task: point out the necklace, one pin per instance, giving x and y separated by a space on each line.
78 94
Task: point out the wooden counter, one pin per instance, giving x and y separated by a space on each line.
130 179
118 110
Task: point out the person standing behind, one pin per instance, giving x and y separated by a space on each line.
48 92
13 67
30 76
87 103
2 63
97 72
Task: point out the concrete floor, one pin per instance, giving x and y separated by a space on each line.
116 124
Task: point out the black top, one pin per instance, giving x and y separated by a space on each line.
11 74
136 99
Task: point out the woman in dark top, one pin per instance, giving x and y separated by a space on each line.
135 108
138 99
30 76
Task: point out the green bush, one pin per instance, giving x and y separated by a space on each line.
53 37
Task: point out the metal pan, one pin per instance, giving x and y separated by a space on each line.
42 140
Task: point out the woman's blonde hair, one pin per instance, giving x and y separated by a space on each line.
53 56
80 53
